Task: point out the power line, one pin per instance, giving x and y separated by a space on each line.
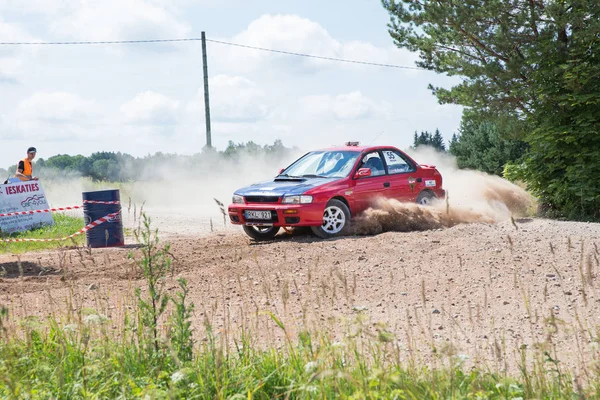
291 53
100 42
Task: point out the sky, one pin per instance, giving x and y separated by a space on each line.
145 98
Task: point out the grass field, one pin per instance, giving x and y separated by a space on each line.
64 225
79 360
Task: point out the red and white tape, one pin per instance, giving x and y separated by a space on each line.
41 211
58 209
84 229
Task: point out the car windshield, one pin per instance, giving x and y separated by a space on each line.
323 164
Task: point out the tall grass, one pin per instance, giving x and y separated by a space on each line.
150 351
81 360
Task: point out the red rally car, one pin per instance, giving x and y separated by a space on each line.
324 188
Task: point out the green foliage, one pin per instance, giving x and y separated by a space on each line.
155 264
180 329
77 360
564 164
531 67
427 139
252 149
480 145
494 45
3 317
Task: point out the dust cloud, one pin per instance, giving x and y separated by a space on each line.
180 193
472 197
193 190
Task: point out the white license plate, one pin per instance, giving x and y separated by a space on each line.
258 215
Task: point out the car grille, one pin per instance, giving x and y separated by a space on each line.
262 199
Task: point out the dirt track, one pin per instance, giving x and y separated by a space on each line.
468 285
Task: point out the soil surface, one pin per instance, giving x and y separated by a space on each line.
480 290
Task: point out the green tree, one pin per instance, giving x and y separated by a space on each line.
453 143
532 67
254 149
82 164
277 147
424 139
104 169
427 139
480 145
60 161
437 141
110 166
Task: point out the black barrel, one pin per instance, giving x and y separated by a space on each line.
109 233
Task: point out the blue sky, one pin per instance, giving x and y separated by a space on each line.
144 98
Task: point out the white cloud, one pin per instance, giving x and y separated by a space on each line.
346 106
32 6
232 99
300 35
12 57
146 102
57 115
363 51
56 107
116 20
9 67
150 108
55 7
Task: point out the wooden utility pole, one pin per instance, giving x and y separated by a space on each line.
206 103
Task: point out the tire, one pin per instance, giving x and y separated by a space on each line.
336 219
426 197
261 232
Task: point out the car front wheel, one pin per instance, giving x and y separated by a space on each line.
336 219
261 232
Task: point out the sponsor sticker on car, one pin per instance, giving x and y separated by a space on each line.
430 183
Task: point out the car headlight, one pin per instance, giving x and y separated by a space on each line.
237 199
297 199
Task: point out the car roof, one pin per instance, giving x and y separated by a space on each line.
356 148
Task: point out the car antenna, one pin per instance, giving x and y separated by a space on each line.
376 137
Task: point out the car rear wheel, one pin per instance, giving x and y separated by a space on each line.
426 197
261 232
336 219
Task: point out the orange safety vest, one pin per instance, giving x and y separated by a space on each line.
27 168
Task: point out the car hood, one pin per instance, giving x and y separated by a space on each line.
280 187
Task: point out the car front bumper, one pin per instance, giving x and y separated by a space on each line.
281 214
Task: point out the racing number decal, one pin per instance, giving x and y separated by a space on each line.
390 156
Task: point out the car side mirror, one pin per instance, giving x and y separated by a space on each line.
281 170
362 173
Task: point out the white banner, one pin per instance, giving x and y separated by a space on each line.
23 196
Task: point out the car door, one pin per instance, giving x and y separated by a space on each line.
400 175
368 189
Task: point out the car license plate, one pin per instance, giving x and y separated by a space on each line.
266 215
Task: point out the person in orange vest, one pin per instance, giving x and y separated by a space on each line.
25 166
